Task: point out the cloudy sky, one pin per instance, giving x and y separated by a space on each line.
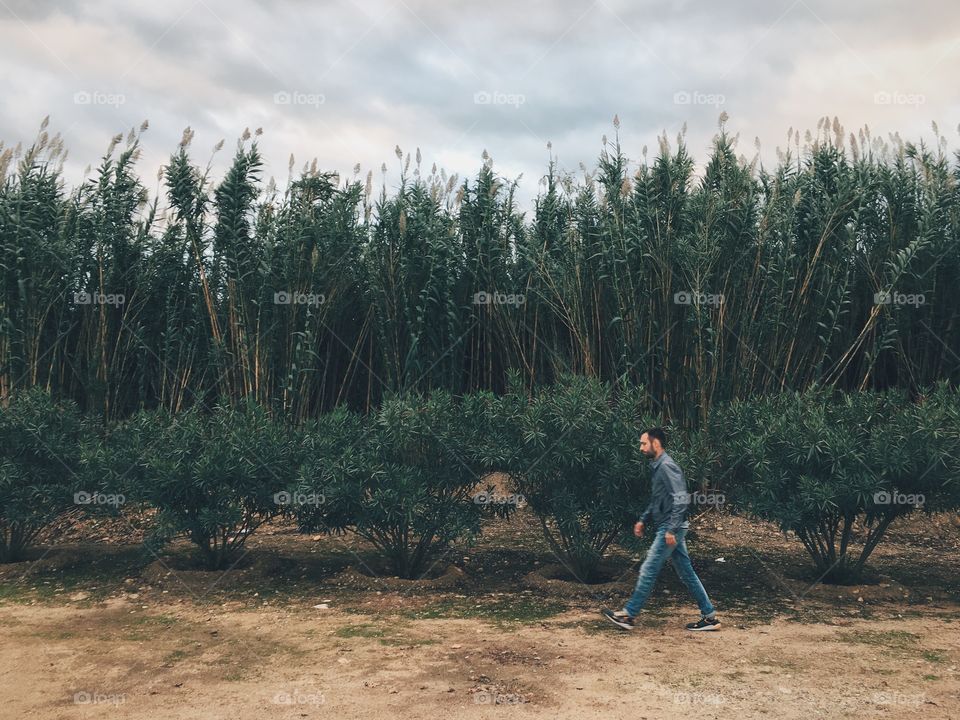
347 81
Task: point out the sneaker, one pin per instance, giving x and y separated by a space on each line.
619 618
705 624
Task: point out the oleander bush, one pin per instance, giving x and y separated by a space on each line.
836 471
41 467
213 478
572 451
408 478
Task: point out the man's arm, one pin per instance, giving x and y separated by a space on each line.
677 487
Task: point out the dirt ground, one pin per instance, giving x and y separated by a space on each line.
123 660
105 635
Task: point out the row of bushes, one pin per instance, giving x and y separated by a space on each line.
412 477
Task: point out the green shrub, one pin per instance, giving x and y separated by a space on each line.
822 467
573 453
214 477
41 451
404 478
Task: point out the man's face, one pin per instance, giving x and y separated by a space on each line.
646 447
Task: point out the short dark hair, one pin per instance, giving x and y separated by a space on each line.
656 433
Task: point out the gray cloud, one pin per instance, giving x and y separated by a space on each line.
457 79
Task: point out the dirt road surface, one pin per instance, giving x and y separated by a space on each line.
119 659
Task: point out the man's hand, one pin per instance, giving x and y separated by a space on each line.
670 539
638 529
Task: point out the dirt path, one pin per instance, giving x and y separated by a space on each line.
119 659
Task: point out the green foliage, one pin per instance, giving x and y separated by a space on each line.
573 452
213 477
41 456
405 478
782 267
823 467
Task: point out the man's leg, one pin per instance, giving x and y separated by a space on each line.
681 563
656 556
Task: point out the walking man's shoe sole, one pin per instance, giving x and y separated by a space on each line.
624 622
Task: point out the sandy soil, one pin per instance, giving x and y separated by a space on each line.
121 659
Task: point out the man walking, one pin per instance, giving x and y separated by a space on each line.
669 501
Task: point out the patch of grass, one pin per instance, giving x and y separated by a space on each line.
55 634
891 639
295 652
385 636
146 627
162 620
10 592
931 677
897 642
406 641
364 630
23 591
508 609
175 657
907 613
596 627
99 572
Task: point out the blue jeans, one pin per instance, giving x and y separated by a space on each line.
657 555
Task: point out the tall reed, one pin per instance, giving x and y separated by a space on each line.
833 268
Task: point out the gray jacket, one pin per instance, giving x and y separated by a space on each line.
669 499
